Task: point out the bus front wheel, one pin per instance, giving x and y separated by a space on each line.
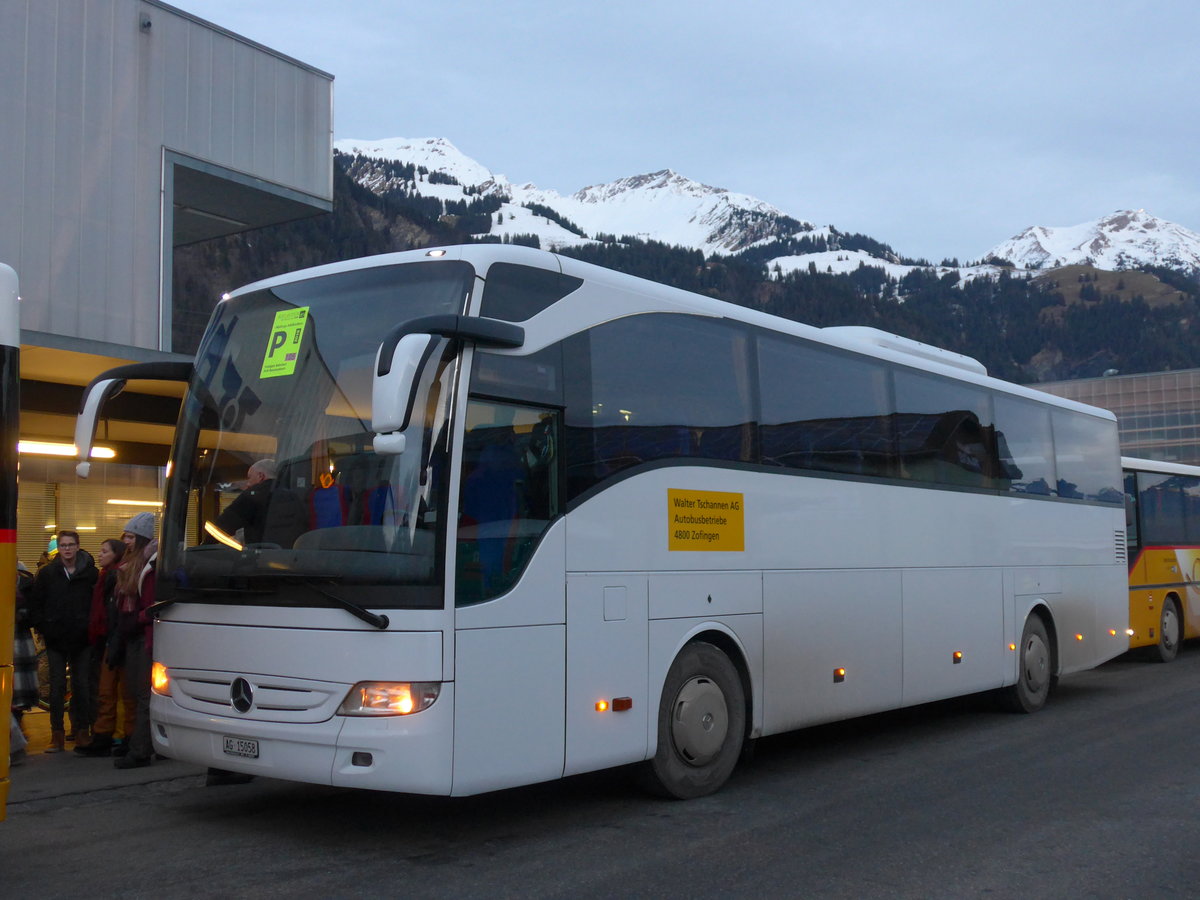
1170 630
701 725
1035 670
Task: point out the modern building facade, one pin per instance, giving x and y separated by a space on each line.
1158 412
130 128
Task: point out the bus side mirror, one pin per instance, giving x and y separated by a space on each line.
85 424
393 390
107 385
402 357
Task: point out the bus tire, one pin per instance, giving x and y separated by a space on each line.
1035 670
1170 631
701 725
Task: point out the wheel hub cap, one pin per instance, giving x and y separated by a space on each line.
1036 664
1170 628
699 721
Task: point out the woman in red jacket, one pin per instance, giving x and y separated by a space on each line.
108 667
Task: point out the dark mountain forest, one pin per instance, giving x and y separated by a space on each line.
1022 329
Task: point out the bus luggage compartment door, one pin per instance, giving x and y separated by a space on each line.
607 662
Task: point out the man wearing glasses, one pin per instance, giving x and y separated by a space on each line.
60 601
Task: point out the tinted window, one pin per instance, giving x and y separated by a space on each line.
944 432
336 511
509 495
1131 510
536 377
516 293
1024 445
1170 508
823 410
1086 457
656 387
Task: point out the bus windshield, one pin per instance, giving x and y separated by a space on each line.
273 476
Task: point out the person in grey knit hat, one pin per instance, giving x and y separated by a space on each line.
135 593
141 525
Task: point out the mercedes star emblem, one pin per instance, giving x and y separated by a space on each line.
241 695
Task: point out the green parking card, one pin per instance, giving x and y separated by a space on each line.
283 345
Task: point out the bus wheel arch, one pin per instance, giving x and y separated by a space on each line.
1170 629
1037 664
702 719
726 643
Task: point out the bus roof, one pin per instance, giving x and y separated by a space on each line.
656 297
1132 463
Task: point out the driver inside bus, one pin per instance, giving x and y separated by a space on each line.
264 512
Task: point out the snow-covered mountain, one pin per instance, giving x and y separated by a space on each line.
670 208
1124 240
660 206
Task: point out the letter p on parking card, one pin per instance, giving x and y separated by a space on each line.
283 343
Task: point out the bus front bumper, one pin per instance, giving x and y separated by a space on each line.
410 754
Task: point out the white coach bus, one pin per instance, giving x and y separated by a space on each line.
530 517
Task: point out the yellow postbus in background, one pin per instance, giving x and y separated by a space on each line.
10 410
1162 528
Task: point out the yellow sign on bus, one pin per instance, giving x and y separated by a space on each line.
705 520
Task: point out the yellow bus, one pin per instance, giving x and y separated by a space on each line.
10 407
1162 530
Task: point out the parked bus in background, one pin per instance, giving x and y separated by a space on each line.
528 517
1162 524
10 415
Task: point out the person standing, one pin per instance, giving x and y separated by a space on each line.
108 667
60 602
25 674
135 588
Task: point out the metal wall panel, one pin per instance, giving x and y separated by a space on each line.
90 100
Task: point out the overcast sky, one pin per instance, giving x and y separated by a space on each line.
940 128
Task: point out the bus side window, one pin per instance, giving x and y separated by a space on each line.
653 388
824 410
517 293
1190 487
1131 510
948 429
1025 446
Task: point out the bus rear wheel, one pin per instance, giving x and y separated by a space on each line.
701 725
1170 630
1035 670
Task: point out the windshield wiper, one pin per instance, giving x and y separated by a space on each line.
379 621
212 591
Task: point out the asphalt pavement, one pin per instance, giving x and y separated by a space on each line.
47 776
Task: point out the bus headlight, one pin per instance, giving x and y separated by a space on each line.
389 698
160 679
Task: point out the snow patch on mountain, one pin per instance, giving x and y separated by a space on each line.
1124 240
841 262
434 154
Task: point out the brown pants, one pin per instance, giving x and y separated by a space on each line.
113 687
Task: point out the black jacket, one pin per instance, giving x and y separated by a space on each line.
266 512
59 605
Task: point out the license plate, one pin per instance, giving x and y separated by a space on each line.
235 746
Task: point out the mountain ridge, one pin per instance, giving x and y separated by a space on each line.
1124 239
1025 325
670 208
